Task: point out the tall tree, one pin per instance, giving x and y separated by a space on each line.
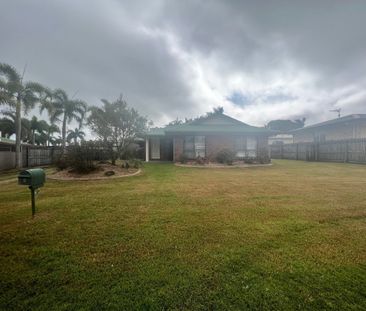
10 119
50 130
75 135
117 125
64 109
19 95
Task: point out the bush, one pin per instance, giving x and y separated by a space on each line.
225 156
78 157
61 163
249 160
201 160
183 159
264 159
135 163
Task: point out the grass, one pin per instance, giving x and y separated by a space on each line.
286 237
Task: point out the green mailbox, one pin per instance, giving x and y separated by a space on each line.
33 178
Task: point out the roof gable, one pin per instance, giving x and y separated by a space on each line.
211 124
217 119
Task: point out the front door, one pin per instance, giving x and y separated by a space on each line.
155 148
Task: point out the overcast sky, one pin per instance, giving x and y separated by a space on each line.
260 60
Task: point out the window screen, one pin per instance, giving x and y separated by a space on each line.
189 147
194 146
200 146
251 147
240 146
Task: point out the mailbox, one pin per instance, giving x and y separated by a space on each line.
34 178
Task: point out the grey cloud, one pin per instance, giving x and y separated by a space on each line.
102 48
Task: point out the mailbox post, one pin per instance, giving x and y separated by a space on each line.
34 179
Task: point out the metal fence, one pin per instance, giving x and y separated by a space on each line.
31 155
37 155
351 150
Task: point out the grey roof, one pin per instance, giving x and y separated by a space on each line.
345 119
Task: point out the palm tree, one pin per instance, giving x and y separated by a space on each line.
75 134
51 129
9 121
23 96
7 127
62 108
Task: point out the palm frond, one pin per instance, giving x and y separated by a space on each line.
9 72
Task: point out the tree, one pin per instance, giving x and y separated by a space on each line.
50 130
285 125
10 121
75 134
19 95
7 127
117 125
38 128
62 108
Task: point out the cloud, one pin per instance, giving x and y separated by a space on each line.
260 60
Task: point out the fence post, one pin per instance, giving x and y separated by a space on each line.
347 149
297 151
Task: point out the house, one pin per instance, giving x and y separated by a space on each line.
205 137
347 127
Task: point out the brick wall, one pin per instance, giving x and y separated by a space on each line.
178 147
215 143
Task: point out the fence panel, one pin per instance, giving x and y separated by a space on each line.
352 150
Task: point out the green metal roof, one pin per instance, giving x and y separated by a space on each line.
156 131
212 124
187 128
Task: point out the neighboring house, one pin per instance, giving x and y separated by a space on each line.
347 127
281 139
205 137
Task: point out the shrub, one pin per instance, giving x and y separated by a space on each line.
225 156
61 163
201 160
264 159
183 159
135 163
249 160
80 158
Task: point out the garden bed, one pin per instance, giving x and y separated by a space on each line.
101 172
221 165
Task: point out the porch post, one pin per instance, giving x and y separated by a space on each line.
147 149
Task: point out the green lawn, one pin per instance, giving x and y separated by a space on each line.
287 237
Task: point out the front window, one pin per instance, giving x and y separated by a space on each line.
200 146
245 147
194 146
251 147
240 146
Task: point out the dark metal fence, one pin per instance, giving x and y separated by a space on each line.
39 155
351 150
